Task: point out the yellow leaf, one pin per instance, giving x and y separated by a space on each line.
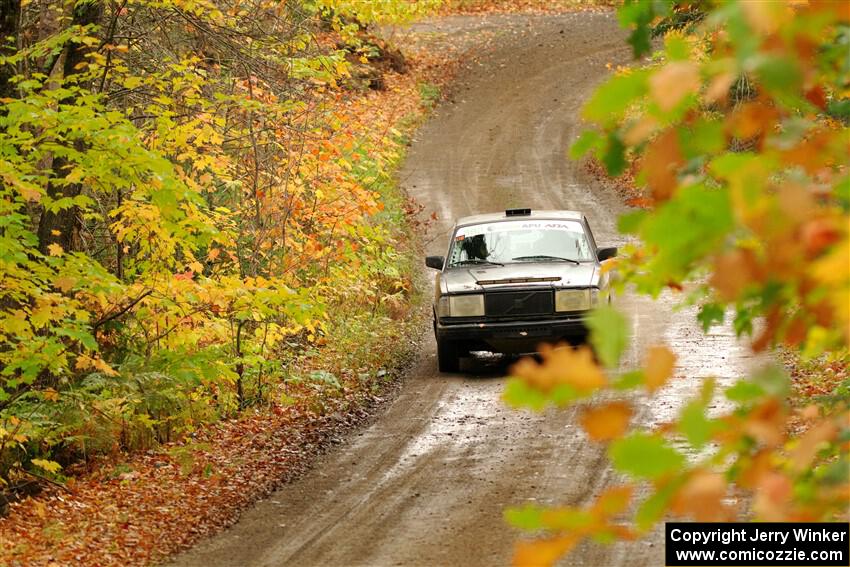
50 394
670 84
196 267
49 466
132 82
104 367
659 367
64 283
55 249
562 365
606 422
83 362
766 17
55 232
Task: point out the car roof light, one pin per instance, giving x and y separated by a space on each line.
517 212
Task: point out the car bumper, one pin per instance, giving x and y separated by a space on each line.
513 336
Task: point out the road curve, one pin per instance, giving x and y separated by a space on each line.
427 482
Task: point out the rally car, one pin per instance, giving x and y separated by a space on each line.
513 280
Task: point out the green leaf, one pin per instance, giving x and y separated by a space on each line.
644 456
778 74
519 394
703 137
614 155
564 394
677 48
629 223
609 334
774 380
629 380
638 15
694 424
528 517
588 140
653 508
610 101
711 314
744 391
684 230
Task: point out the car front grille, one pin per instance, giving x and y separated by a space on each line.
519 303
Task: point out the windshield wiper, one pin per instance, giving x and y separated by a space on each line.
545 257
476 261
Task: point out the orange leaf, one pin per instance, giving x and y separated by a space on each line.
733 272
673 82
752 119
754 469
659 367
819 234
766 423
661 163
543 552
613 501
772 497
701 497
606 422
810 443
719 87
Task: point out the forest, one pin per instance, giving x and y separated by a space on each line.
203 237
189 190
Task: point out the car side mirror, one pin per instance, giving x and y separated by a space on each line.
435 262
603 254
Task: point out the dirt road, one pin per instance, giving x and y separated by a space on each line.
427 483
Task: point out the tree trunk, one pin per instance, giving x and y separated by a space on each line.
59 227
10 17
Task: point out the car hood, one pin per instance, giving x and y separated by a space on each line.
526 274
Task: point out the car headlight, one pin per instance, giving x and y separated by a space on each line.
576 299
471 305
443 307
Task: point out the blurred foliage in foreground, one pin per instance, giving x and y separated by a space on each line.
739 129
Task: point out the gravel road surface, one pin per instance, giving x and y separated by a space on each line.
427 482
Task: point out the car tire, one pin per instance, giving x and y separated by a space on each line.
448 356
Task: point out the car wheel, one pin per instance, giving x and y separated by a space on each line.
448 356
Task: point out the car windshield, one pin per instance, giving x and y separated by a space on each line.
520 241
